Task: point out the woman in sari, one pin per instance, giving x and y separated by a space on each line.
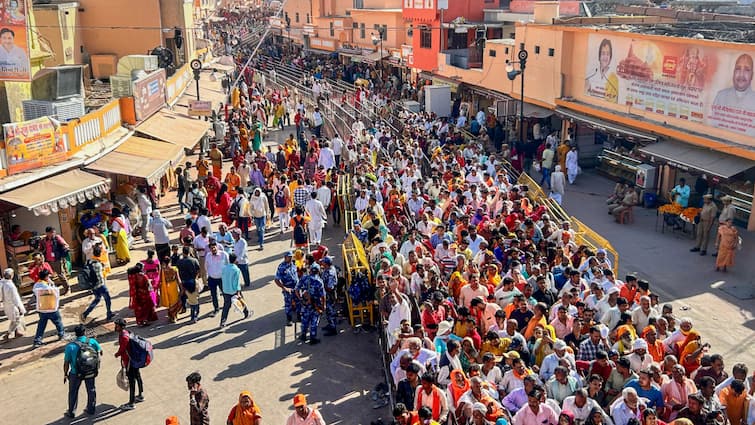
468 355
151 268
141 295
691 351
121 228
223 203
727 242
245 412
170 289
104 258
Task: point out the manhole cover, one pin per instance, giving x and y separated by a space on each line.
742 292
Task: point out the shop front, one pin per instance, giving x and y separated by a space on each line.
174 128
67 202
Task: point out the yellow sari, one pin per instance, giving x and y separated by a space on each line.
170 290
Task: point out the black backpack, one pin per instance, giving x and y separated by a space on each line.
300 235
197 200
87 277
233 211
87 360
280 198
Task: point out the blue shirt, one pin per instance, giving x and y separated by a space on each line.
682 195
72 351
287 274
231 279
653 394
313 285
329 278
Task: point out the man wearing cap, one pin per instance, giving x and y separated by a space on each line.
330 281
12 305
551 361
360 233
303 414
639 359
311 291
287 278
705 225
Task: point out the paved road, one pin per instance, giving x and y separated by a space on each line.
259 354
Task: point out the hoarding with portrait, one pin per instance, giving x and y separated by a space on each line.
32 144
685 80
14 41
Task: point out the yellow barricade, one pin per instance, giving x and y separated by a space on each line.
355 260
587 236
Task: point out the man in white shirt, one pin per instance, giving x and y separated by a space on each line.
327 157
551 361
337 144
581 405
242 260
47 297
145 208
259 210
12 305
318 216
215 259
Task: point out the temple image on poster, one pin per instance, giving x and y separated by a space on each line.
602 80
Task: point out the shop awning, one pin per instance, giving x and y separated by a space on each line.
153 149
374 57
47 196
706 160
150 169
534 111
605 126
173 128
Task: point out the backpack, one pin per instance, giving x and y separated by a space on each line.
87 360
140 352
88 276
300 235
280 198
233 211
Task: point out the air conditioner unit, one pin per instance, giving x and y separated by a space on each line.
57 82
121 86
62 110
103 66
129 63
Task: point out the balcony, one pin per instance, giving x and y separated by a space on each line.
469 58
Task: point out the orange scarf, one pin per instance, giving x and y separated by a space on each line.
246 416
436 401
457 391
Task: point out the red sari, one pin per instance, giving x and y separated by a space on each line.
140 298
222 207
152 270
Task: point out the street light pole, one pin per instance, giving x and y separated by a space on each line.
511 73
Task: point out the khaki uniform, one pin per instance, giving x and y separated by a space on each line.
727 213
704 227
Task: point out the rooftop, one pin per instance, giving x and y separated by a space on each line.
733 32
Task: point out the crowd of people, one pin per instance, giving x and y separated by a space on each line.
492 311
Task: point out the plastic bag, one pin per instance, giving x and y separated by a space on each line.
239 304
121 379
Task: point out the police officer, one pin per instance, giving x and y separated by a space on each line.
287 278
330 281
311 292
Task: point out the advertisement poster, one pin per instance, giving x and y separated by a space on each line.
32 144
679 80
149 94
14 43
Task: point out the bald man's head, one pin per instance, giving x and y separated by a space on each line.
742 77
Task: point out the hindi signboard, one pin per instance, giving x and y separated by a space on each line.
14 41
200 108
32 144
681 80
149 94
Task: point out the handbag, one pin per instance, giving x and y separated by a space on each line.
121 379
239 304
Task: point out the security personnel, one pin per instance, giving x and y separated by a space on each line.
360 232
704 227
330 280
311 292
287 278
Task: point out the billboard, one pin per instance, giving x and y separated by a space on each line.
200 108
14 42
149 94
686 81
32 144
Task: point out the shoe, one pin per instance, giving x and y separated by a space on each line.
109 317
303 338
313 341
222 324
127 406
91 412
330 332
69 414
214 313
39 344
289 323
246 313
695 249
139 398
703 253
